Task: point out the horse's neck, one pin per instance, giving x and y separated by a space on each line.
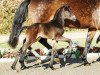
56 24
58 18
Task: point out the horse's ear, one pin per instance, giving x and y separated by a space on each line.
67 8
66 5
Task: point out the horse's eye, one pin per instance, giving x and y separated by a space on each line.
68 6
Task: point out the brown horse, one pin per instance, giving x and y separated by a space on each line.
49 30
86 11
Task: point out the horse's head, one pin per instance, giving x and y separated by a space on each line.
63 13
67 13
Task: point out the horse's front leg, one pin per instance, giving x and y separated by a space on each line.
90 35
44 42
52 59
52 55
61 38
69 48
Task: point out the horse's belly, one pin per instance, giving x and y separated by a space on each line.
47 36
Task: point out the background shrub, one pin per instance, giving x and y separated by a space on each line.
7 10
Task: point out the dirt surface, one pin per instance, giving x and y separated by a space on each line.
74 69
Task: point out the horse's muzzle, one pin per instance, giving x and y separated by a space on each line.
73 18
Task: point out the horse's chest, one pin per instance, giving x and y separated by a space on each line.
59 31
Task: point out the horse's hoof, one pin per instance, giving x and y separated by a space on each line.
62 66
87 64
13 67
52 67
23 67
93 61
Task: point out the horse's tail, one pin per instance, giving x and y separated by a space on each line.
98 39
19 18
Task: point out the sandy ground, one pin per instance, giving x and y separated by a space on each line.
73 69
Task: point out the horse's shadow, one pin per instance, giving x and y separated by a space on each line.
62 63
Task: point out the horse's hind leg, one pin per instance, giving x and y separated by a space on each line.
15 62
17 57
90 36
30 48
29 41
23 54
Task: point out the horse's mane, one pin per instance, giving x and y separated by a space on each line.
58 12
57 16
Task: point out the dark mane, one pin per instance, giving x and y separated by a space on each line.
57 15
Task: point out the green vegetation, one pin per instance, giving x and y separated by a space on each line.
7 10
